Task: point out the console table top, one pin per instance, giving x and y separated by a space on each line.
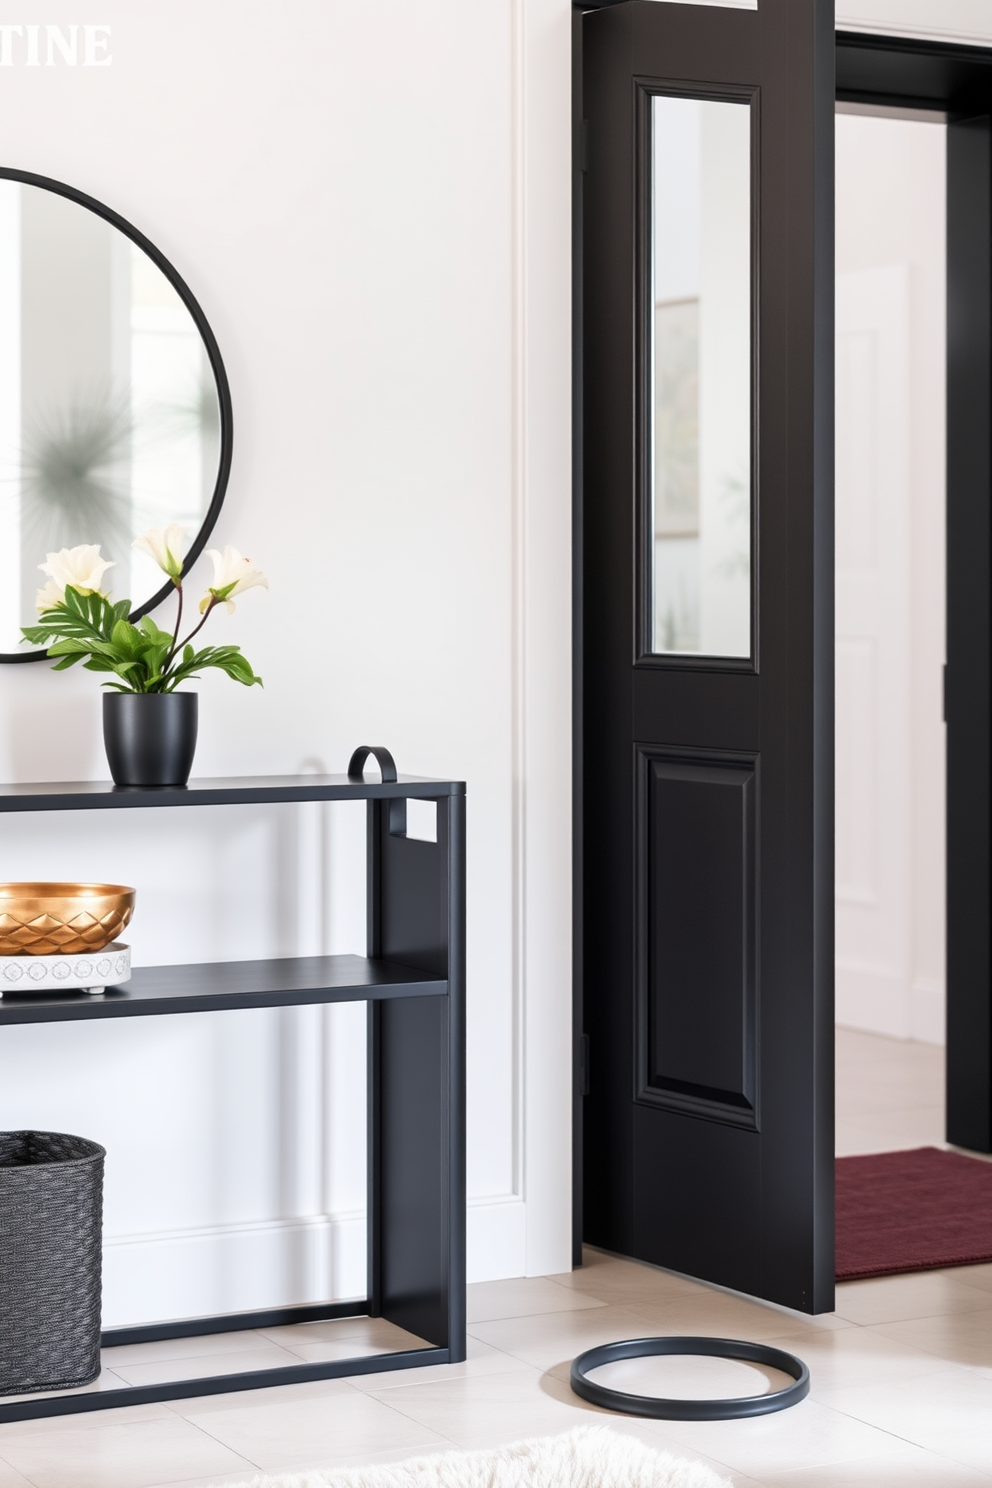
231 790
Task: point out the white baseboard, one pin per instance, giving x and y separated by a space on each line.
497 1237
278 1263
875 1001
233 1268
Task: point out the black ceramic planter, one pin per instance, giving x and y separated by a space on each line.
150 737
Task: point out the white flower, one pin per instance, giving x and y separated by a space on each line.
233 574
166 545
81 567
48 597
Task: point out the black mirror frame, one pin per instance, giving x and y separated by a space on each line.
28 178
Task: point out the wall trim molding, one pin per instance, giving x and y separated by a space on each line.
954 34
543 507
204 1269
518 578
497 1237
874 999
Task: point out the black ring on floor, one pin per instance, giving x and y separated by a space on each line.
689 1410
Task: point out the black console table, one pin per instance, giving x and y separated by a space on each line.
413 982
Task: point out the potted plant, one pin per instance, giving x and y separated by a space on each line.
149 727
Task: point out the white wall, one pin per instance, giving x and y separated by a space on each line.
372 204
891 217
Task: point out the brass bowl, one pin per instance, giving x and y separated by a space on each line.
48 919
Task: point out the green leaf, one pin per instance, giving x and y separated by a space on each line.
148 627
225 658
69 648
126 639
115 613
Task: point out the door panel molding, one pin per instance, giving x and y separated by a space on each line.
696 933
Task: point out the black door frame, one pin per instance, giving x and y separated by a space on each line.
956 80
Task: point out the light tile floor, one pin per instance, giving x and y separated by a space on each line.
902 1370
890 1093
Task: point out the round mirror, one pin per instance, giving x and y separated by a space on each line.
115 412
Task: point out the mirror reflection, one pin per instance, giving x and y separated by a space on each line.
110 417
701 367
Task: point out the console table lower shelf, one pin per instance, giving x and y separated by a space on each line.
416 1194
104 1396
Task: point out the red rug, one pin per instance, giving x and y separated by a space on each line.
912 1211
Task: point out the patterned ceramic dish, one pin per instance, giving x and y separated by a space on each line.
94 972
68 919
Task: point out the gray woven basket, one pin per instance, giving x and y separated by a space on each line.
51 1221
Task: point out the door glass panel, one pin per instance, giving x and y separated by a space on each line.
700 523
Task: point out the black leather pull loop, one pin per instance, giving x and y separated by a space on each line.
356 765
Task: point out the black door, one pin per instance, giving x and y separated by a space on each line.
707 641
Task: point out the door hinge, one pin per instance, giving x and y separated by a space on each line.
945 693
583 1070
583 145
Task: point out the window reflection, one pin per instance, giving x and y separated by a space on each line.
701 368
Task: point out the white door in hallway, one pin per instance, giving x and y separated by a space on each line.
873 628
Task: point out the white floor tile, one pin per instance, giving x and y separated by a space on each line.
119 1456
85 1420
314 1432
328 1353
313 1390
223 1480
614 1279
892 1131
376 1333
10 1478
855 1357
949 1413
523 1297
893 1299
976 1276
890 1094
495 1409
958 1338
723 1315
807 1435
161 1371
904 1466
182 1348
550 1338
688 1377
352 1338
482 1359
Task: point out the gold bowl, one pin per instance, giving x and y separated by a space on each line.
48 919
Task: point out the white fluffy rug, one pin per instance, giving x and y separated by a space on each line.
590 1457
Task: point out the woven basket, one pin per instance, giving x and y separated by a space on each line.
51 1220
